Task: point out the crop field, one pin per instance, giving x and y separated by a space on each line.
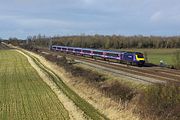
23 94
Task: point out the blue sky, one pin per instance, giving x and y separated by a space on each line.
21 18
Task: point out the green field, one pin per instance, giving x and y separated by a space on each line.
23 94
155 55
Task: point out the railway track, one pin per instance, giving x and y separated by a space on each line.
118 73
132 70
156 73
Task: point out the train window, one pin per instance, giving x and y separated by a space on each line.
140 55
112 54
70 49
78 50
87 51
63 48
99 53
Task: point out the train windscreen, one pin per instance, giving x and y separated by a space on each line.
140 55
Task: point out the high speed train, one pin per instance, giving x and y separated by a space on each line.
133 58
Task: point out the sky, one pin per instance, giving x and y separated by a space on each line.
22 18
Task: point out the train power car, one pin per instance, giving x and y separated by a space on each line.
133 58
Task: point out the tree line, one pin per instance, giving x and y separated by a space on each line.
105 41
118 42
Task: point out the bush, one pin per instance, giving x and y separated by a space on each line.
51 58
89 75
118 91
177 59
162 101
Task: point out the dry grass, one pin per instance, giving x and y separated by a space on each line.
107 105
161 101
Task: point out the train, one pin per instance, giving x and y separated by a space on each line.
132 58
